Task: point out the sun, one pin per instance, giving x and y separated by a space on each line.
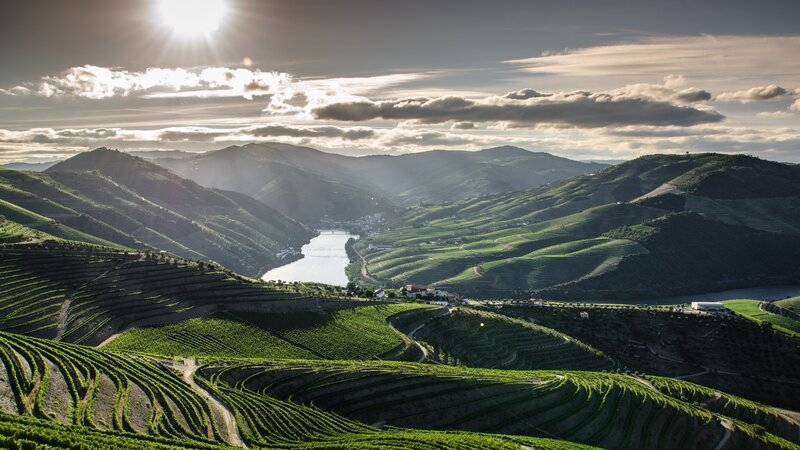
192 17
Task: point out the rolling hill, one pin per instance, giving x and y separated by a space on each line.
656 226
271 373
113 198
310 185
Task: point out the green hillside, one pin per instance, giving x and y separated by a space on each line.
114 400
724 351
353 333
110 197
755 310
650 227
80 293
482 339
606 410
792 304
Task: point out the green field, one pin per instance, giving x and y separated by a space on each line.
111 198
83 293
749 309
605 410
69 396
651 227
353 333
484 339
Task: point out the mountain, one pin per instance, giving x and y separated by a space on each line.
656 226
120 199
33 167
310 185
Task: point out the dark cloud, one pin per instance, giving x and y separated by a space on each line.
524 94
692 95
322 131
464 126
639 105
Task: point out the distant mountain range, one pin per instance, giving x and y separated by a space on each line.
109 197
655 226
311 185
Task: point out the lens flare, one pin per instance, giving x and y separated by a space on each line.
192 17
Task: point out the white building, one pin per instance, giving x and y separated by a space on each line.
708 306
584 315
379 293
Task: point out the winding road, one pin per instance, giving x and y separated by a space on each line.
188 368
728 425
364 270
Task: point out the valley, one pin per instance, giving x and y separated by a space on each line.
108 343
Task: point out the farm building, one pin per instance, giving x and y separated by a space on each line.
537 301
584 315
379 293
412 290
708 306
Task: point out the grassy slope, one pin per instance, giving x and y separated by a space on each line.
507 243
106 291
71 396
750 310
355 333
49 226
606 410
484 339
134 203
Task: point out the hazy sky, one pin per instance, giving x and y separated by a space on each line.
582 79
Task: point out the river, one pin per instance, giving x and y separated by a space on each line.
324 261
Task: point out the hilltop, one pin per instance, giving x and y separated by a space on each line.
656 226
110 197
342 187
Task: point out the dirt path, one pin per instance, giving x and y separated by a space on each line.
692 375
424 350
188 368
728 425
410 335
509 360
643 381
364 270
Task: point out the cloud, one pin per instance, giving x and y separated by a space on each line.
463 126
96 83
639 104
351 133
725 62
755 94
775 114
795 106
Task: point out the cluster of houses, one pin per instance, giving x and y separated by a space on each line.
423 291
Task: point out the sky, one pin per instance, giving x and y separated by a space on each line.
604 80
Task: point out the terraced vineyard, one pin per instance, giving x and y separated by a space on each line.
86 294
651 227
755 310
484 339
115 400
352 333
607 410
